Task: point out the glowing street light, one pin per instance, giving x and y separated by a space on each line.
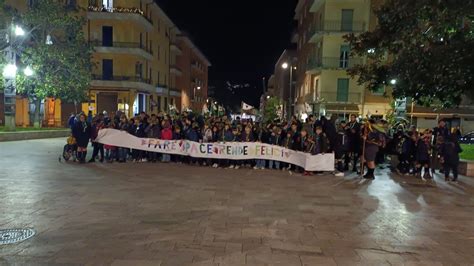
28 71
284 65
199 88
19 31
393 81
10 71
268 97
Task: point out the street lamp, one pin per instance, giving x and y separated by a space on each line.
393 81
19 31
285 66
28 71
9 71
268 97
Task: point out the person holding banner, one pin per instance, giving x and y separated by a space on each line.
166 134
248 136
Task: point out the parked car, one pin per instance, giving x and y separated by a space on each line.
467 139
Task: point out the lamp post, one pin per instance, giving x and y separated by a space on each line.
194 94
290 98
9 74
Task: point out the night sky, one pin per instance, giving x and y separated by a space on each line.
242 39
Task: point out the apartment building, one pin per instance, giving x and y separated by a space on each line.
193 83
324 57
136 55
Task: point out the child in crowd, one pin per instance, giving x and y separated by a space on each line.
166 134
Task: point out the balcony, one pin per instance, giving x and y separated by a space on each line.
334 26
122 48
317 4
332 63
175 49
175 70
338 98
124 82
120 13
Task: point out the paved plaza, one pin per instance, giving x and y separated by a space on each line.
170 214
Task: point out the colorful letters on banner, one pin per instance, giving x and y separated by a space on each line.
219 150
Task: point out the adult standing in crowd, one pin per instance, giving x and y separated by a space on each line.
82 133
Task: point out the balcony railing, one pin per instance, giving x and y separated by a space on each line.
135 45
335 97
333 63
121 78
328 26
125 10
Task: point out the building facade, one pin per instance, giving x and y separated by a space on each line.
324 57
135 58
193 83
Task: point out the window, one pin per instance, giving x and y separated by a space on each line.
32 3
379 91
344 56
139 70
107 69
158 53
165 81
347 19
108 4
166 104
140 103
172 101
158 78
342 90
158 102
107 36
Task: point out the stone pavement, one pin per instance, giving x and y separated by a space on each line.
168 214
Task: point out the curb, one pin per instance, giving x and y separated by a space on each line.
27 135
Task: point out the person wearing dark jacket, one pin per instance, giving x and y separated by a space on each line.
355 142
449 152
139 128
422 156
275 138
82 133
97 125
123 126
153 131
439 132
288 143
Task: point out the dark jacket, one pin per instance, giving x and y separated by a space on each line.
140 131
450 152
192 134
275 139
422 151
82 133
153 131
247 137
320 144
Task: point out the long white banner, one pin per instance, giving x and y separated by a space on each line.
219 150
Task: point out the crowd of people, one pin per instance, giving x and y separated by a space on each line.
356 144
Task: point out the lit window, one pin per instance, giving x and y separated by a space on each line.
108 4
